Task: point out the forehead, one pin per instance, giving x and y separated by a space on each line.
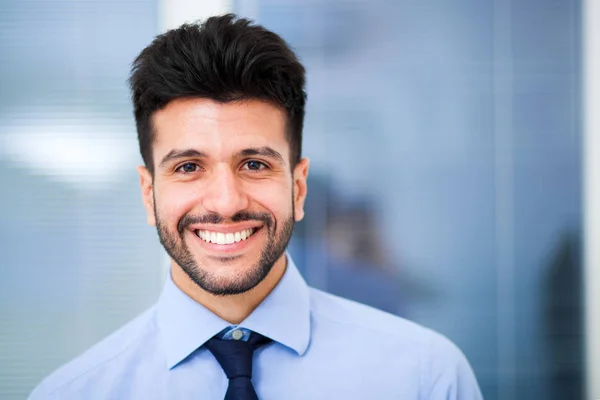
218 127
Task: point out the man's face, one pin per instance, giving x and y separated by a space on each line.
224 198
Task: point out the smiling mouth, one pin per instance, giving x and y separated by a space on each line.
225 238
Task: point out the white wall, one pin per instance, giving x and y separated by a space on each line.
173 13
591 88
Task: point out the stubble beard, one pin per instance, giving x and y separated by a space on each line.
274 248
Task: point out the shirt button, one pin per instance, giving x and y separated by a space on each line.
237 334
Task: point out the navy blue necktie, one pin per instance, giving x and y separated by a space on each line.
235 357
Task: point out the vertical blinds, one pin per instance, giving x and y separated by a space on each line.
76 257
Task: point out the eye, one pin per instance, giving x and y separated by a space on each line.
254 165
188 167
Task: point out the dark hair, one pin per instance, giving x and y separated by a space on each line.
225 59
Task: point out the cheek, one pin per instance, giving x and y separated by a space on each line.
276 198
173 202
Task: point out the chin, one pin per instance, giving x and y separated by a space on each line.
235 275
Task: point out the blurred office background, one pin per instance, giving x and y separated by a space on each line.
447 180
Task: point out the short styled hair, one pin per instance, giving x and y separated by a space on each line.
225 58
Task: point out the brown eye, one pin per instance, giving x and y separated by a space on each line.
188 167
254 165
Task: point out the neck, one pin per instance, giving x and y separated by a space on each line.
234 308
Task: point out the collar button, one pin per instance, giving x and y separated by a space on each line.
237 334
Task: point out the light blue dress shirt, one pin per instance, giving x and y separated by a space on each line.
324 347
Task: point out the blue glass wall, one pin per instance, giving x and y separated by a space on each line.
445 142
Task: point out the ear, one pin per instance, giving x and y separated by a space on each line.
147 194
300 187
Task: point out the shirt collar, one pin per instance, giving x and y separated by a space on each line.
284 316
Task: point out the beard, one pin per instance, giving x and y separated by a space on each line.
275 246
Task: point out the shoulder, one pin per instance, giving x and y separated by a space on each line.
367 320
105 353
444 370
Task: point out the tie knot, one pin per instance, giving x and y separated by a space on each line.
235 356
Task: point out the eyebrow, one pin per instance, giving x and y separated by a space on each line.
264 151
177 154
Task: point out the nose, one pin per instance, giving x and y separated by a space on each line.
224 193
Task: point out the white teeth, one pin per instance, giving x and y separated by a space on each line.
224 238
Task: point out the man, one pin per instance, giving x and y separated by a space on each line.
219 109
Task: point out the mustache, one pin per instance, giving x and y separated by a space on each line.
214 218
